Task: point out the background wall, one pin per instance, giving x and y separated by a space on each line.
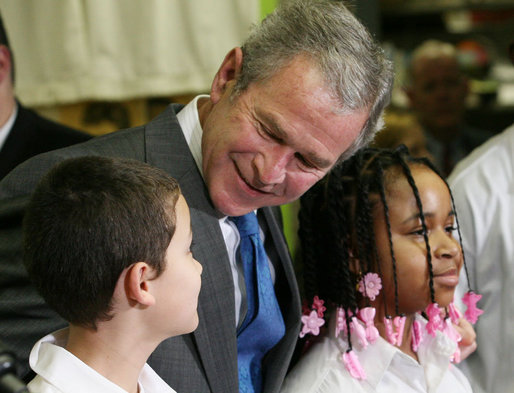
102 65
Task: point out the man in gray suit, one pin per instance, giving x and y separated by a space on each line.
304 91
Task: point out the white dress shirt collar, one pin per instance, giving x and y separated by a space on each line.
60 371
6 128
190 123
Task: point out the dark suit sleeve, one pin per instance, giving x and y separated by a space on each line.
31 135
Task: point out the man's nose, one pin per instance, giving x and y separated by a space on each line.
271 166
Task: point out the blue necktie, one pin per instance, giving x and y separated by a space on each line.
263 326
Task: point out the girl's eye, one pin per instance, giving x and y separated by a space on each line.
417 232
450 229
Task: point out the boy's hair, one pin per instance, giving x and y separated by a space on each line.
357 73
336 224
90 218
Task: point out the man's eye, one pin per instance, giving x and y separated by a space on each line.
266 133
303 161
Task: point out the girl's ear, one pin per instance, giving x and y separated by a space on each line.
355 267
137 283
228 72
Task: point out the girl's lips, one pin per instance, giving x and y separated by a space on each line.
448 278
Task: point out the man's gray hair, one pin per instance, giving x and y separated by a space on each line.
354 66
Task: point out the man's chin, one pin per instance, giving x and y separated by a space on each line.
233 208
236 212
239 209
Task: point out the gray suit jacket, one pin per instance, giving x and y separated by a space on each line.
204 361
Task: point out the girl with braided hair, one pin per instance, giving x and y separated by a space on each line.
380 258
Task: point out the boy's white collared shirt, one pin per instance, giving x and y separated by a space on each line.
387 369
59 371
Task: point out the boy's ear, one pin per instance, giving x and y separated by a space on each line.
137 283
228 72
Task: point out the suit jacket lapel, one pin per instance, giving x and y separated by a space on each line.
166 148
277 360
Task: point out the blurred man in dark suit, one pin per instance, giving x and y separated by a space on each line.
23 133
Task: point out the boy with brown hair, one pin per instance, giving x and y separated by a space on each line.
107 244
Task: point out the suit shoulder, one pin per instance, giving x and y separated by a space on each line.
127 143
46 128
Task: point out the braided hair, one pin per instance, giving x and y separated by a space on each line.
336 225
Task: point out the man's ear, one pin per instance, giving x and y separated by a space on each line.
5 63
137 283
228 72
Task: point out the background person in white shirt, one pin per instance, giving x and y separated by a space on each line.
107 244
377 246
483 187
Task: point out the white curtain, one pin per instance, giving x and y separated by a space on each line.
73 50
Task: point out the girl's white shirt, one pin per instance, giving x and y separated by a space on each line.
387 369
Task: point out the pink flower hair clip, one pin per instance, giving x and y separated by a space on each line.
470 299
394 329
340 321
399 324
359 330
367 315
311 324
352 364
435 321
313 320
417 335
318 305
390 333
370 285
